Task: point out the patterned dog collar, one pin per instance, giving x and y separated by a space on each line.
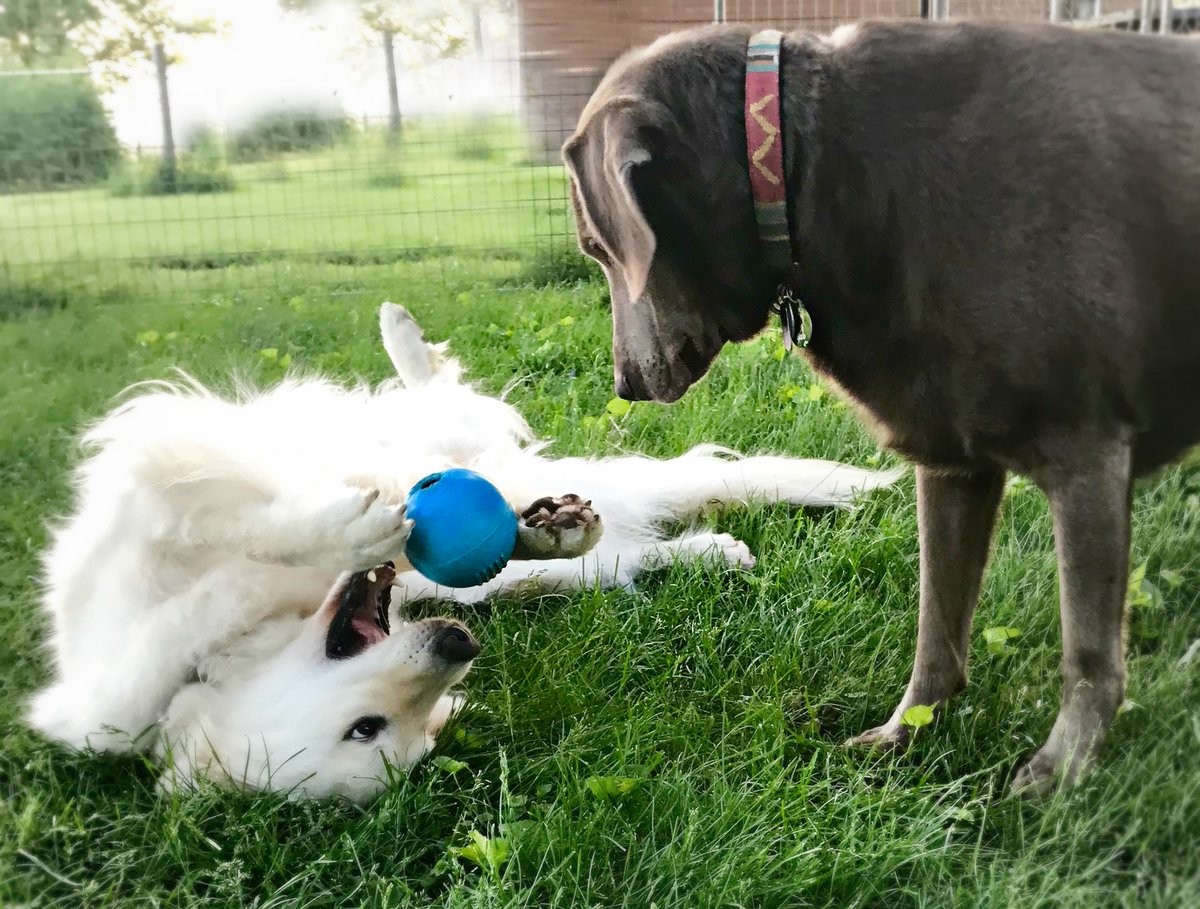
764 154
764 146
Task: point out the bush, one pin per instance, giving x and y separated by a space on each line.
53 133
199 171
475 143
19 298
280 131
386 175
148 177
204 139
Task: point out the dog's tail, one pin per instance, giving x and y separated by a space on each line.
417 362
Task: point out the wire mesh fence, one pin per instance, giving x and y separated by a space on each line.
459 182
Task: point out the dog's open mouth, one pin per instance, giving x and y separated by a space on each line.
361 619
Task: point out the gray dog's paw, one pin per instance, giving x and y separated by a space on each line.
1054 767
557 527
1036 779
889 737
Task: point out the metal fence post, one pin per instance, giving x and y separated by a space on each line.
1164 24
718 10
1054 13
939 9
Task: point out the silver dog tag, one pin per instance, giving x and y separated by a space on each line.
797 324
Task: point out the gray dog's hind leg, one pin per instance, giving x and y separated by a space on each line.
957 514
1090 504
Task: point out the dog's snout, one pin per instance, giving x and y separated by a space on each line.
455 644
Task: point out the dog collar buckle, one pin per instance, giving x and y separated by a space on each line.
797 323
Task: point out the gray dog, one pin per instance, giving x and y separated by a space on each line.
995 231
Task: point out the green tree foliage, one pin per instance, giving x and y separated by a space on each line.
53 133
39 29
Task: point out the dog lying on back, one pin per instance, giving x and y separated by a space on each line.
222 595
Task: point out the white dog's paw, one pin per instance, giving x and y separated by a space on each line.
722 547
363 530
557 527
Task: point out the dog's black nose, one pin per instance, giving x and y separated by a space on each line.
454 644
629 386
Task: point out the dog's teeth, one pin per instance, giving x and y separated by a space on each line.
371 576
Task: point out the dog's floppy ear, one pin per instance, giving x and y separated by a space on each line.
602 160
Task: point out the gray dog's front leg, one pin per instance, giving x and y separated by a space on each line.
1090 504
957 513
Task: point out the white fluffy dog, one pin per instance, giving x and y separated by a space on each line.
221 594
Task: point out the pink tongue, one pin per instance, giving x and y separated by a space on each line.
369 630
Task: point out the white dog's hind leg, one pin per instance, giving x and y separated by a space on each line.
644 492
518 579
605 569
522 579
719 548
703 477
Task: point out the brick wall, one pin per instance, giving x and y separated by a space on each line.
566 45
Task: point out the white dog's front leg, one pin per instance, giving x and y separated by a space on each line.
343 529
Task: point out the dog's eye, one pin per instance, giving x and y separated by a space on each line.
365 729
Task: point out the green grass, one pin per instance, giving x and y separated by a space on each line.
673 747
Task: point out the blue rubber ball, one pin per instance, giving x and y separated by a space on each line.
463 530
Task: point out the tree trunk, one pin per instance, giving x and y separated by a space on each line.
168 136
477 29
393 91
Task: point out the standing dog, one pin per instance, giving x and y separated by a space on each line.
995 230
195 592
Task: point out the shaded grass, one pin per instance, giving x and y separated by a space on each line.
722 695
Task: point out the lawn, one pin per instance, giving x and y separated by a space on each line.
361 204
677 746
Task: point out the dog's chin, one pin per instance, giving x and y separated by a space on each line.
662 386
360 619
